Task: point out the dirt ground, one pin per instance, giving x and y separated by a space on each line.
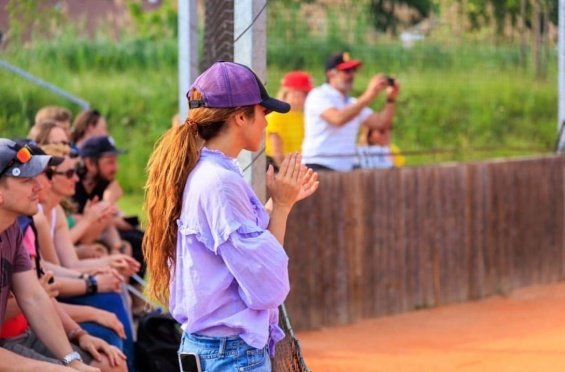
524 331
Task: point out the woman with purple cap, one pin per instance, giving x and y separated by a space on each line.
214 252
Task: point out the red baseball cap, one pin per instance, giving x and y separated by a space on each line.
342 61
297 80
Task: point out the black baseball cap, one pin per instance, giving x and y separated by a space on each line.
342 61
99 146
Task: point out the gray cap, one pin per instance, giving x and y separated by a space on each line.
10 166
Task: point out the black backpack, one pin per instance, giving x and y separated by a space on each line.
158 340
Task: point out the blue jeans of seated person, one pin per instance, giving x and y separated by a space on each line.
113 303
226 354
104 333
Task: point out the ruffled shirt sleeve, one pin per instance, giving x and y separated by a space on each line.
259 265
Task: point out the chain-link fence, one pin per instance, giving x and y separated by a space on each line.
470 88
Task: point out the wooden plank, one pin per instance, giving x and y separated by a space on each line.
368 248
377 242
379 237
331 232
355 228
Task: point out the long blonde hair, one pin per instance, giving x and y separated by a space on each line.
174 157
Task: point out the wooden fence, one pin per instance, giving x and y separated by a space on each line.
380 242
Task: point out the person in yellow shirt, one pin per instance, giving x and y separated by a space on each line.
285 132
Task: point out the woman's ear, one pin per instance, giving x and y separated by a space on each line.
239 119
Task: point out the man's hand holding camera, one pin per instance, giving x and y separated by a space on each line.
392 89
379 83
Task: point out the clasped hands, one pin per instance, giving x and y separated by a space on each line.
292 183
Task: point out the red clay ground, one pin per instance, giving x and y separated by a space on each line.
522 332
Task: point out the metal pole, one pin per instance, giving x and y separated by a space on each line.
50 87
561 77
188 51
250 39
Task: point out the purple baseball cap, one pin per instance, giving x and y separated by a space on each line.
229 84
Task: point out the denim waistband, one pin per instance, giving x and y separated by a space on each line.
220 344
231 353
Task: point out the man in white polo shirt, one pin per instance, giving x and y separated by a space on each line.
333 118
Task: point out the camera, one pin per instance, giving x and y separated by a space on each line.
390 81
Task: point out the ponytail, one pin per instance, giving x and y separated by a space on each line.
174 157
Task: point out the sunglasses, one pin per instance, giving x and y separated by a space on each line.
69 173
23 155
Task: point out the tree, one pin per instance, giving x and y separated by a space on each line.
524 16
483 12
159 23
386 17
25 22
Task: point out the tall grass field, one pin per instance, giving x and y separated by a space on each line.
457 98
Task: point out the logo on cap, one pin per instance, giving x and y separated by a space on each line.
16 172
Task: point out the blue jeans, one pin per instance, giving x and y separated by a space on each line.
113 303
226 354
104 333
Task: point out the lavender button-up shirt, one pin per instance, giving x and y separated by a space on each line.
231 273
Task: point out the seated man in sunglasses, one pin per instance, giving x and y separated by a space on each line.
18 196
333 118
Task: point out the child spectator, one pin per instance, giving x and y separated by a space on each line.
376 150
286 131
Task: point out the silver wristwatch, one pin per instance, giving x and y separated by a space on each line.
71 357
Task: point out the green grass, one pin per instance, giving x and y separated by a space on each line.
459 97
132 205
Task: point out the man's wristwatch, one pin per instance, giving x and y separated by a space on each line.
71 357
